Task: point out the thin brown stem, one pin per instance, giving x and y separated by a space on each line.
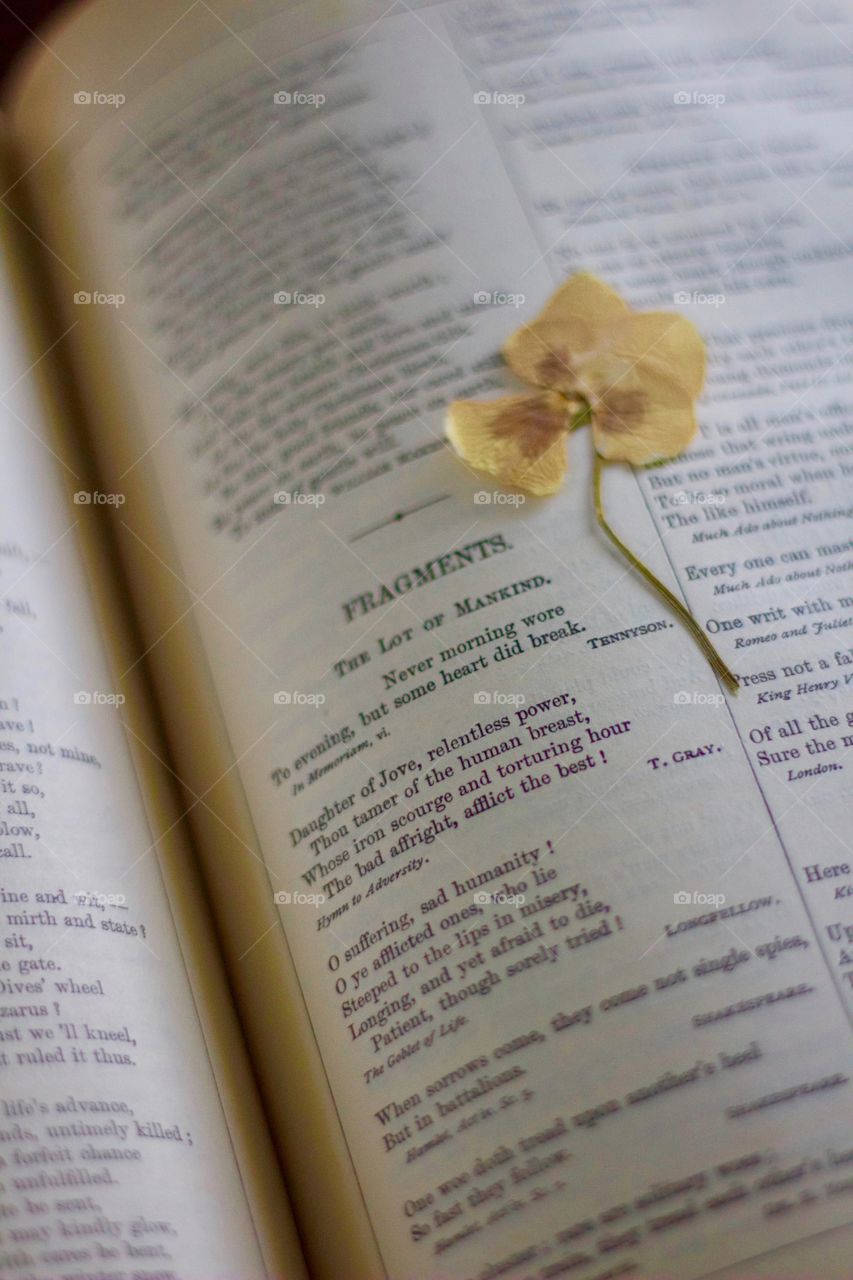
728 678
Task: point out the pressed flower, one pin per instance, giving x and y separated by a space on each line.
640 372
633 376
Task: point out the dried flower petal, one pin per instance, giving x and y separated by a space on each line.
520 440
639 415
663 341
568 330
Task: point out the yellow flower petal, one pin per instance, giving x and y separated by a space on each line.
668 342
520 440
544 355
569 330
639 415
586 296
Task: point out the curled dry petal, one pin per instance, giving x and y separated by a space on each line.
520 440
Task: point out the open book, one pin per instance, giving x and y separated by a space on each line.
388 887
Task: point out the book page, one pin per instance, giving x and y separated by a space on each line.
572 927
116 1153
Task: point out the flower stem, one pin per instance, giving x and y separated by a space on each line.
727 677
582 417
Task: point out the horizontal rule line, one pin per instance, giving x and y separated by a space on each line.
398 516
